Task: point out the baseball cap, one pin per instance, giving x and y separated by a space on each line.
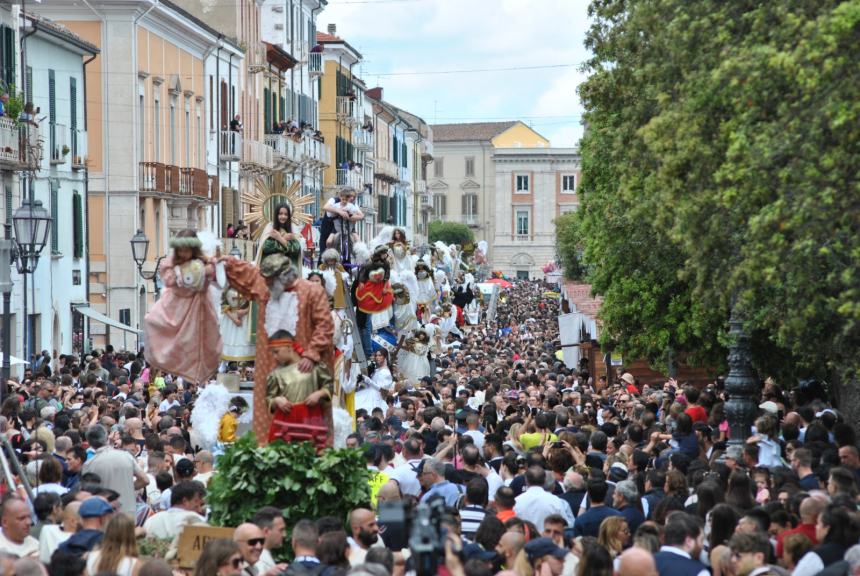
95 507
540 547
769 406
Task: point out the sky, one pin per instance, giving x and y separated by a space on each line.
402 40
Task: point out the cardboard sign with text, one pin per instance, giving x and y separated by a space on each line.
193 538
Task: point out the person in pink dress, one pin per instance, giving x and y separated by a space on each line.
182 335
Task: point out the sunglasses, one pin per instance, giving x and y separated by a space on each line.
236 563
256 541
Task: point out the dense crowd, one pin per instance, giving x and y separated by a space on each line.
538 468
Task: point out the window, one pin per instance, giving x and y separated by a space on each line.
522 183
9 59
52 115
73 116
157 232
187 142
156 119
173 131
568 183
470 208
201 159
470 166
440 205
55 215
522 222
76 277
439 168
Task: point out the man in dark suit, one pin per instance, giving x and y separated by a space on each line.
304 542
588 523
682 543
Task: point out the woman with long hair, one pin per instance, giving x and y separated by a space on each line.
740 491
278 237
117 553
614 535
675 488
333 553
722 521
220 557
595 560
377 387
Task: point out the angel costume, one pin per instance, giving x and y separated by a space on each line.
412 360
234 327
426 294
182 336
370 396
310 320
405 318
269 245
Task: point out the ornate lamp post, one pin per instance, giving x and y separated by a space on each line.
235 252
139 249
742 386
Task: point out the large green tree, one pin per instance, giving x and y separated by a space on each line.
720 163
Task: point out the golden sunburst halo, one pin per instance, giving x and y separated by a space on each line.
271 191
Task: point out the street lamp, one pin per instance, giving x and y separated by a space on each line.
235 252
32 225
139 249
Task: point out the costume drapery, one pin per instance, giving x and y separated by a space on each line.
237 344
370 396
182 335
412 361
294 385
313 330
268 245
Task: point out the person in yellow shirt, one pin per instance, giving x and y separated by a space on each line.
544 423
377 457
230 420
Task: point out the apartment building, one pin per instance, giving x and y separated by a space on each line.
533 186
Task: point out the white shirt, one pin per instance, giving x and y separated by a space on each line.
535 504
407 478
810 564
50 538
265 563
168 524
57 489
478 438
30 546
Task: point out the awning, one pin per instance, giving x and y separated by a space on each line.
94 314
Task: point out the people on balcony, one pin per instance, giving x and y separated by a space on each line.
4 100
231 231
29 114
236 124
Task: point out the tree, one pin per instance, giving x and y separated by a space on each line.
570 245
450 233
720 167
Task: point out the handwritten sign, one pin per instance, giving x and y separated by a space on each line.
194 537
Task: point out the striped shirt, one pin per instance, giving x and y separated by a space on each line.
470 518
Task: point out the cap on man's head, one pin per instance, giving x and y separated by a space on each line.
273 265
769 406
94 507
540 547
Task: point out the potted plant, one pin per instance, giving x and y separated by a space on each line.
65 150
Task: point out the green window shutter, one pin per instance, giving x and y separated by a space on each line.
55 215
8 204
73 113
52 115
9 59
403 155
283 108
78 230
267 112
29 95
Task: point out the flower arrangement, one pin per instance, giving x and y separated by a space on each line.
549 267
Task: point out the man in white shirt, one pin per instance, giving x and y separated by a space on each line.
535 504
169 401
186 507
406 474
271 521
15 536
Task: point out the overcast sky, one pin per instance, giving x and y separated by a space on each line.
401 40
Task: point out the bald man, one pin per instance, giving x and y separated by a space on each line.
252 541
364 534
810 508
509 546
636 562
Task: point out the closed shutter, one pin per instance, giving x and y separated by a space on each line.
8 192
383 209
226 208
392 209
73 113
9 59
55 215
283 108
267 112
52 115
29 93
78 230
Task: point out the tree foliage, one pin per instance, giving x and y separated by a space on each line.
450 233
720 163
570 245
289 476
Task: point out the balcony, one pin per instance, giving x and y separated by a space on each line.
421 187
257 157
426 202
387 170
195 182
345 109
315 64
288 152
159 178
58 137
316 153
362 140
79 149
17 143
471 220
349 179
230 146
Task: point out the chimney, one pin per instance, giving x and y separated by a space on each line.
332 29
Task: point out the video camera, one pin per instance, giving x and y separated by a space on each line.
425 525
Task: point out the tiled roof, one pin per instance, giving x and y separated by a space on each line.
580 295
484 131
324 37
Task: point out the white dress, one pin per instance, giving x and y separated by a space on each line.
426 291
412 362
125 568
236 338
370 397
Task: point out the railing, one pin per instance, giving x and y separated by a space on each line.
194 182
421 186
79 149
315 64
230 146
10 141
316 151
349 178
158 177
387 169
285 147
58 139
471 220
362 139
258 154
345 105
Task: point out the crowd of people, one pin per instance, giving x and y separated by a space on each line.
534 467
